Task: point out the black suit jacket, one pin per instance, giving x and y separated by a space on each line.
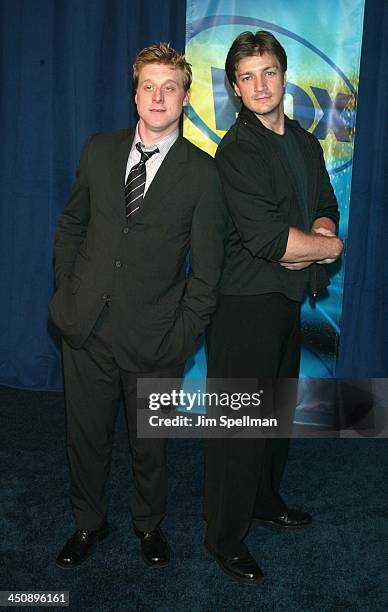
158 309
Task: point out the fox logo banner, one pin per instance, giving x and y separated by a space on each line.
323 43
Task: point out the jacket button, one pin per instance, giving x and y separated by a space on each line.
125 230
105 297
118 263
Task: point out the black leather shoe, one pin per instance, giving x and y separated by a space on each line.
242 568
80 546
291 519
154 548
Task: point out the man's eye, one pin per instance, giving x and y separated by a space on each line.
246 78
169 88
148 87
270 73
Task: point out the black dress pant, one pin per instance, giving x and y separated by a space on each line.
94 383
249 337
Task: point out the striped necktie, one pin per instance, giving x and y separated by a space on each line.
134 187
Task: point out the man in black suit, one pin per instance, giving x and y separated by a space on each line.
125 304
283 221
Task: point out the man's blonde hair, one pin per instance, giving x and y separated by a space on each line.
162 54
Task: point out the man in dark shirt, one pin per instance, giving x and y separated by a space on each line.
282 228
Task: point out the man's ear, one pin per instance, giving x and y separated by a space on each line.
136 97
236 90
186 98
285 79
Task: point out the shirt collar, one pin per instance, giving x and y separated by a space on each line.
163 145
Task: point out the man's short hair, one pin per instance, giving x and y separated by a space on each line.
248 44
162 54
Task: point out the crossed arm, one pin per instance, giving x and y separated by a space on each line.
263 232
320 246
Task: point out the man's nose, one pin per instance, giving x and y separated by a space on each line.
157 94
258 82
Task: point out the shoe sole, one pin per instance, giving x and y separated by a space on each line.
268 523
241 580
154 565
86 557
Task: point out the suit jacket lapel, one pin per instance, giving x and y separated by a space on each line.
117 169
169 174
307 154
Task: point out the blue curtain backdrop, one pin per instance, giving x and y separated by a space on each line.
65 72
364 330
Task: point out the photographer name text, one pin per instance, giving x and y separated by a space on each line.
203 421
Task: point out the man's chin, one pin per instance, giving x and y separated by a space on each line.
156 123
158 127
265 107
152 124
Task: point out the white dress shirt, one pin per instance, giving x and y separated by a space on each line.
154 163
